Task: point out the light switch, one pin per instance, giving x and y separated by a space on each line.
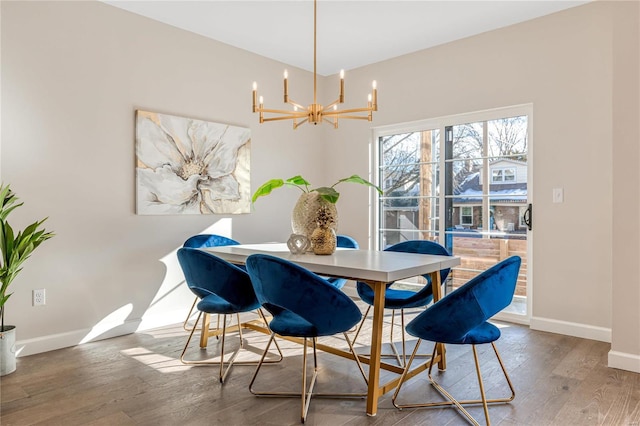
558 195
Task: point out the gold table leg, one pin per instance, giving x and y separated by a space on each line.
373 391
436 285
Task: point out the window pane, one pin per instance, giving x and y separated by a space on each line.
507 136
408 219
504 216
467 140
409 176
467 178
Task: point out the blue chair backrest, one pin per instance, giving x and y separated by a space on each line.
284 286
422 247
209 240
207 274
346 241
471 304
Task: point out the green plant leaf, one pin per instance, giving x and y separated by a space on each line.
15 248
358 179
329 194
4 299
266 188
298 180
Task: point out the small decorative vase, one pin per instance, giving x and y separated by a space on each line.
298 244
323 240
305 212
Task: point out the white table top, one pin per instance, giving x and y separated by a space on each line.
364 265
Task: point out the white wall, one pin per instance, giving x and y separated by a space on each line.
625 343
73 74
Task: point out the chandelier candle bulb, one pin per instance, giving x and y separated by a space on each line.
286 86
341 86
255 94
375 95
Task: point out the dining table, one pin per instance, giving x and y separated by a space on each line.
376 268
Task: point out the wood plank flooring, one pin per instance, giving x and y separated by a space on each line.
138 380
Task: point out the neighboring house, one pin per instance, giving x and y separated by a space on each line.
508 201
508 197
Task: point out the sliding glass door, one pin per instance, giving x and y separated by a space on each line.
463 181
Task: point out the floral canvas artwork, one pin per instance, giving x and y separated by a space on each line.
189 166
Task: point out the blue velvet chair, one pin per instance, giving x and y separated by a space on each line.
303 305
223 289
461 318
200 241
404 299
343 241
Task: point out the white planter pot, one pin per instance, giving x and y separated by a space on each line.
7 350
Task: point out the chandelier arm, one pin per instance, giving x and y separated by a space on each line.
348 111
353 117
296 125
332 104
288 113
295 104
282 117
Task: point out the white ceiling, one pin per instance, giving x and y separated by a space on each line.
350 33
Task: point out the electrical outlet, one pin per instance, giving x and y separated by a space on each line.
39 298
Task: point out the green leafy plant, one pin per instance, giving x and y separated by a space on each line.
15 248
327 192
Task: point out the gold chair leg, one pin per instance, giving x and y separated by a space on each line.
239 329
221 362
392 342
402 361
186 321
481 384
306 393
451 400
355 356
364 318
223 373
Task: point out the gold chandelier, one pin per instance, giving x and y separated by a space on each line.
315 113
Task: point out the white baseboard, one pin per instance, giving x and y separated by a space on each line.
624 361
76 337
71 338
571 329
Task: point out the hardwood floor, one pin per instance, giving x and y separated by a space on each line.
138 380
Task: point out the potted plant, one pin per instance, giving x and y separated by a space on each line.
303 219
15 248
